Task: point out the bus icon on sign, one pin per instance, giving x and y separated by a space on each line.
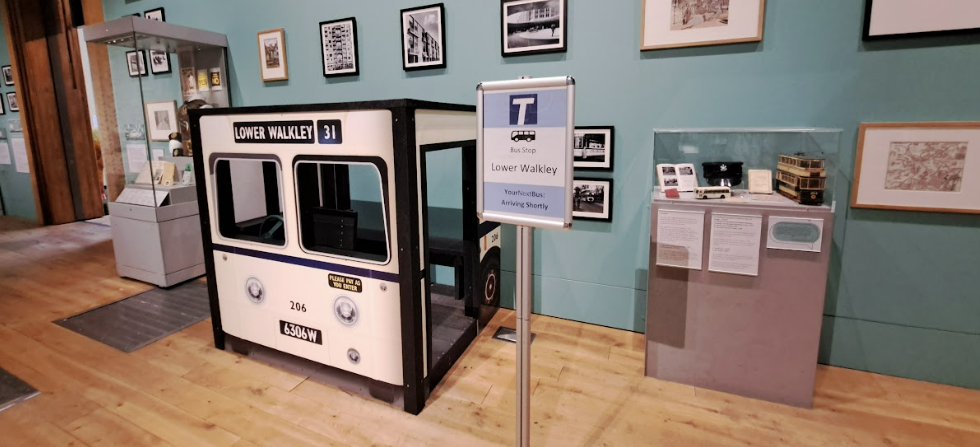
526 135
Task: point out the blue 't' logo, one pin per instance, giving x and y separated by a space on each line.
524 110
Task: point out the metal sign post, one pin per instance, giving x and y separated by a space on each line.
524 177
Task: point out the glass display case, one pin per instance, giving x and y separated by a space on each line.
802 164
738 278
144 76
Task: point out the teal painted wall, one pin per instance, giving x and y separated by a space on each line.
16 187
901 298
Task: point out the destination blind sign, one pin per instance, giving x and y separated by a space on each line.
525 154
289 132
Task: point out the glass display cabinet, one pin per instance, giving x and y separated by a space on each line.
809 163
144 76
740 243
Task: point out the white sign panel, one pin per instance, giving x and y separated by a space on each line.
793 233
525 151
135 156
5 154
20 155
735 244
680 238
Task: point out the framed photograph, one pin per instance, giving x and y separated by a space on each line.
272 55
155 14
592 199
12 102
338 39
136 63
918 167
3 111
161 119
533 27
884 19
8 75
159 62
689 23
593 147
424 37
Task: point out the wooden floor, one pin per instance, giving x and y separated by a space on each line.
588 383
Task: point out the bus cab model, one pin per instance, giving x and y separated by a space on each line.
319 238
712 192
526 135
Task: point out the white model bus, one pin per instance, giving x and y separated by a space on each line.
712 192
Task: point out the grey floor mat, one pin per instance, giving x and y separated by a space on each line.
139 320
13 390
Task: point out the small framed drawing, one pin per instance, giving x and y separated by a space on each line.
155 14
338 39
136 63
689 23
8 75
159 62
918 167
424 37
161 119
272 55
533 27
884 19
593 148
592 199
12 102
2 110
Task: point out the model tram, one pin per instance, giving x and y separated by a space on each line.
802 179
318 238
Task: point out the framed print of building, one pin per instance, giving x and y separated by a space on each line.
339 41
424 37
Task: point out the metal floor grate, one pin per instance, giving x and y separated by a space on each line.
13 390
139 320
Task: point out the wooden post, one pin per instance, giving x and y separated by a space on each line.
54 110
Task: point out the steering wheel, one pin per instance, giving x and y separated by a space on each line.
279 222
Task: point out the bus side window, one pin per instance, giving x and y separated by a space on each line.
249 200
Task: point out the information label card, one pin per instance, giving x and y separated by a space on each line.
526 156
680 238
735 244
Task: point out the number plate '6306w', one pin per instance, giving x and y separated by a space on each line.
301 332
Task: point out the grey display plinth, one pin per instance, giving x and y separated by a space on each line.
751 336
159 245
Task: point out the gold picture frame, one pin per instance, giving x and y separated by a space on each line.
714 29
272 55
918 166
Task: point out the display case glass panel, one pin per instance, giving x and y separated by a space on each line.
156 72
803 162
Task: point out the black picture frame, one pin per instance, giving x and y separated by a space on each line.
607 199
563 25
323 52
406 65
13 106
866 34
144 71
609 149
166 56
3 110
163 16
7 70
